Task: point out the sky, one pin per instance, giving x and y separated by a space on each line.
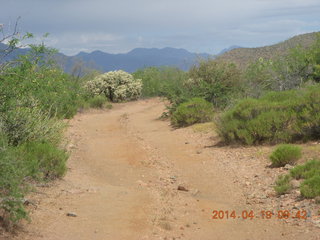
118 26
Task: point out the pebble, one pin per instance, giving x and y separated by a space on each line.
288 167
182 188
71 214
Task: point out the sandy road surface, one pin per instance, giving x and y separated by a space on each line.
124 171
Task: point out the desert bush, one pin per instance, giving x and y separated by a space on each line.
161 81
277 117
307 170
98 101
117 86
310 172
30 124
285 154
43 160
283 184
217 82
310 188
196 110
35 76
12 189
282 73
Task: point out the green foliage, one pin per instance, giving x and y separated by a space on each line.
25 124
117 86
54 91
99 102
284 72
161 81
283 184
315 59
285 154
310 172
43 161
217 82
307 170
11 183
310 188
196 110
34 94
277 117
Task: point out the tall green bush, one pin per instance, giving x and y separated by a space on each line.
217 82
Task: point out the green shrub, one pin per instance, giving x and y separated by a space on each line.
277 117
98 102
30 124
55 92
43 161
285 154
283 184
215 81
310 188
307 170
12 189
310 172
117 86
161 81
196 110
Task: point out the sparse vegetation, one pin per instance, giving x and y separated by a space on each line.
283 185
310 188
285 154
307 170
310 172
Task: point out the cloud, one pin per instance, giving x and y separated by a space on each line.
201 26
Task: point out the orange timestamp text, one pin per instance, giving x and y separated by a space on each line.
250 214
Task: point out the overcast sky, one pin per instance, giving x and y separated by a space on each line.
117 26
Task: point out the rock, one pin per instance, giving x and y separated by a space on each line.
295 183
288 167
263 196
195 192
71 146
71 214
198 152
182 188
186 143
317 200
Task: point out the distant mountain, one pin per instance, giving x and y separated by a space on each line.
140 58
228 49
130 62
243 56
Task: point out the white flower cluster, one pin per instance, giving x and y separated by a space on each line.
118 86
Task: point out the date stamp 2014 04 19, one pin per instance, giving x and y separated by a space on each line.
250 214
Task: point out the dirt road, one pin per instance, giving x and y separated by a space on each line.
124 173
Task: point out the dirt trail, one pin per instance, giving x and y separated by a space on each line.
122 182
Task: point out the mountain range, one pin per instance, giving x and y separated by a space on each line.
145 57
129 62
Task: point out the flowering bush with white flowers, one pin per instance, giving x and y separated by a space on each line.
117 86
